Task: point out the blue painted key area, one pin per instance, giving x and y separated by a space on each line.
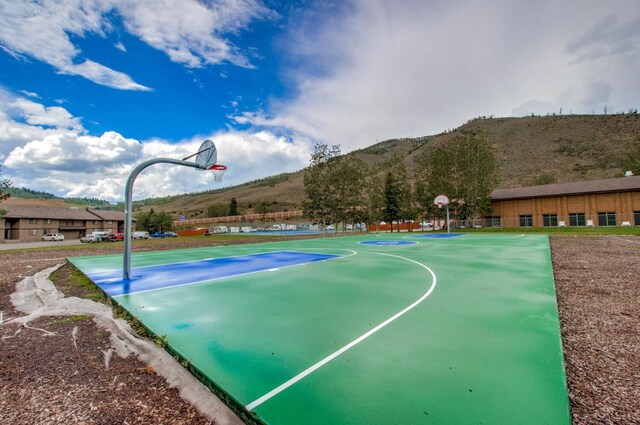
169 275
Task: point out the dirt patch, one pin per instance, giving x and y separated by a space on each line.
54 371
598 285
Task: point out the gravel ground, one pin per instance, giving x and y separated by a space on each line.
53 370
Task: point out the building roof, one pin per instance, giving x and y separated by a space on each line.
108 215
623 184
58 213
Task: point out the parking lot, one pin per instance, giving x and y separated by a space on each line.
36 244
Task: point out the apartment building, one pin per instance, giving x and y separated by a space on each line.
29 223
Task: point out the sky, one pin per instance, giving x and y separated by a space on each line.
89 89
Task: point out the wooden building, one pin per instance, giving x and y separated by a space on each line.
28 223
610 202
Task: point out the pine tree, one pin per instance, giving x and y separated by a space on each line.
233 207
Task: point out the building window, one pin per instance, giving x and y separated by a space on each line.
33 221
636 217
33 232
69 222
110 222
47 221
606 219
577 219
526 221
493 221
96 221
550 220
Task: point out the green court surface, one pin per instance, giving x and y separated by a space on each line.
460 330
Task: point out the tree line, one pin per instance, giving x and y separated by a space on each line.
343 189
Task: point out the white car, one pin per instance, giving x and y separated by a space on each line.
90 239
53 237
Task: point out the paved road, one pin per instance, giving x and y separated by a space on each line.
37 244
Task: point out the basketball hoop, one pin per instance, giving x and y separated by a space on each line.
218 171
441 200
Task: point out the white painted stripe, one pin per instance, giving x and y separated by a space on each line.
234 275
358 340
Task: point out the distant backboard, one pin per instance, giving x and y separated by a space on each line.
207 154
441 200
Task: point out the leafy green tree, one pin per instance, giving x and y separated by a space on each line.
348 177
374 200
143 220
233 207
464 169
391 211
154 221
320 189
397 192
160 222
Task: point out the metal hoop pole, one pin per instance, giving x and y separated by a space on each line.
128 205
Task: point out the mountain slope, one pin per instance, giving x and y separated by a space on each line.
557 148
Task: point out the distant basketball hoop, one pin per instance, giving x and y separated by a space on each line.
441 200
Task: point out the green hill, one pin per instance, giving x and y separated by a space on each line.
528 150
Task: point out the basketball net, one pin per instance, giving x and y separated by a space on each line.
218 171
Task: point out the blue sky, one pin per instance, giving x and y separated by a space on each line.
91 88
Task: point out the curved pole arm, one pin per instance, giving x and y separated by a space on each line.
128 205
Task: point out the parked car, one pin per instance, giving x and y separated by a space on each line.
90 239
158 235
171 234
140 235
109 237
53 237
120 236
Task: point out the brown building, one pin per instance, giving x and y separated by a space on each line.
28 223
611 202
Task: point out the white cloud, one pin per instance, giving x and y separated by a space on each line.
188 31
22 120
52 116
30 94
74 153
192 32
384 69
46 148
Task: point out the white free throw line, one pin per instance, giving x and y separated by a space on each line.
330 357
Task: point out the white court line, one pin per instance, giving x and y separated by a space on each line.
261 251
356 341
230 276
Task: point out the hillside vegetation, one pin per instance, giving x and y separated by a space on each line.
528 151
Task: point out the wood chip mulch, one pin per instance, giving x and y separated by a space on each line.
53 372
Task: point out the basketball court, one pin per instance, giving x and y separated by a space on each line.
371 329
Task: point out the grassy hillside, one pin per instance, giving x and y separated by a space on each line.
528 150
568 148
558 148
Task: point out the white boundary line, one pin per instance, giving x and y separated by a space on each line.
356 341
230 276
